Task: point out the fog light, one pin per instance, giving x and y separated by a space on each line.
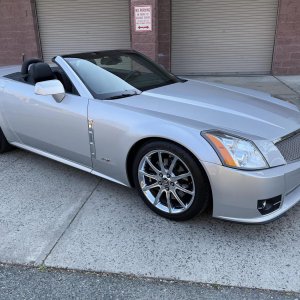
262 204
267 206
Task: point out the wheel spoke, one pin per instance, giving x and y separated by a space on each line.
178 187
151 165
157 198
178 177
161 163
169 202
148 175
166 181
150 187
173 164
178 199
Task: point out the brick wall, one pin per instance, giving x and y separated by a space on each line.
145 42
157 43
164 33
286 59
17 35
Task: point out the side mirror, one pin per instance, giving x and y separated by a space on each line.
51 87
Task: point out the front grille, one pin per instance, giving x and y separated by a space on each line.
289 146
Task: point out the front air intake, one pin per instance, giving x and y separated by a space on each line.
267 206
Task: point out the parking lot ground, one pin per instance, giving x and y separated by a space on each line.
282 87
39 198
62 217
52 215
293 82
116 232
18 282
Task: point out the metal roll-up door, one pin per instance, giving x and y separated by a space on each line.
71 26
223 36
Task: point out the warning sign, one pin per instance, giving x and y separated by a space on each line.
143 18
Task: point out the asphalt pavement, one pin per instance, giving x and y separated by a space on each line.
54 216
18 282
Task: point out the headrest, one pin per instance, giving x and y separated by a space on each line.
40 72
27 63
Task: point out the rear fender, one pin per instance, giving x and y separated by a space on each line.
4 123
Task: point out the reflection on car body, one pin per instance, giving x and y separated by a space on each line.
182 143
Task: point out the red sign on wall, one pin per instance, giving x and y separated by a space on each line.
143 18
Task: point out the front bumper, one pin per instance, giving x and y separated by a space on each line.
236 192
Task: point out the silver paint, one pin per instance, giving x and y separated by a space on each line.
178 112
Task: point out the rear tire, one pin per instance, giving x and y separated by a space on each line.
4 145
170 181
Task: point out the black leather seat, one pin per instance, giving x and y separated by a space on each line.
63 78
40 72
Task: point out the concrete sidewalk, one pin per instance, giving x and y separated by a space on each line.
57 216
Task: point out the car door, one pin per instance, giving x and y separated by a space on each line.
39 122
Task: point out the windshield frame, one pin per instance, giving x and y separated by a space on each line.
89 55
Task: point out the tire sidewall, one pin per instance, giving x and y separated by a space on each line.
4 145
1 141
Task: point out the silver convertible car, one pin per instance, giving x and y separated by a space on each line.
184 144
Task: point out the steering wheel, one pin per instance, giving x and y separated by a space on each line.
132 75
27 63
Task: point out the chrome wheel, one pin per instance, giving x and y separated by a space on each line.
166 181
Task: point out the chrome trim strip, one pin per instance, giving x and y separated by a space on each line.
91 138
287 136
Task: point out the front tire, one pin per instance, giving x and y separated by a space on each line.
4 145
170 181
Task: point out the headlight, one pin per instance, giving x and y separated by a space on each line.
236 152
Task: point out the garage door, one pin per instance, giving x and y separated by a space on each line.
70 26
223 36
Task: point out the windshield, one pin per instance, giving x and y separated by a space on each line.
117 74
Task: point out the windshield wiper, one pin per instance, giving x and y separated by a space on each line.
124 95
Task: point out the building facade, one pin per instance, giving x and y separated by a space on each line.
189 37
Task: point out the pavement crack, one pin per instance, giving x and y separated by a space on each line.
295 91
42 263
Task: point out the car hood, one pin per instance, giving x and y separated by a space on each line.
204 105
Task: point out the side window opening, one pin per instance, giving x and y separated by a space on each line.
58 74
64 79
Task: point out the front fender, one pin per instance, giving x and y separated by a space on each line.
186 137
117 130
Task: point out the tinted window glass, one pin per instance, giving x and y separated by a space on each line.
112 73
